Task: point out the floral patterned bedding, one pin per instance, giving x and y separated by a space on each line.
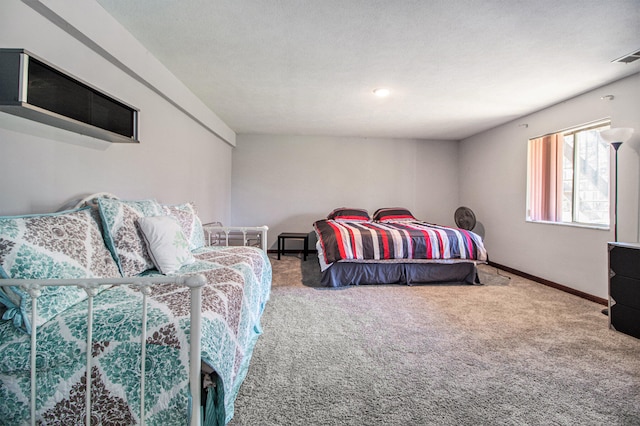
238 286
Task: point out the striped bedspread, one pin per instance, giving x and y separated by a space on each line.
343 240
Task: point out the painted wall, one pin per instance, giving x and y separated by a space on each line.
185 150
493 170
288 182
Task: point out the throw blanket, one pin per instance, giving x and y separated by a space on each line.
342 240
238 286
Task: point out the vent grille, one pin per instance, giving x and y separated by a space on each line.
627 59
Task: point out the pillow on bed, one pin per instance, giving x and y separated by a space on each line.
122 235
62 245
187 216
349 215
392 213
166 243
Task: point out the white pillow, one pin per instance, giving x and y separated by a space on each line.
166 243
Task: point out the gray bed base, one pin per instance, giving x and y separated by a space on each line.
355 273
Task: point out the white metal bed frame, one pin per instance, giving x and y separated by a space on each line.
215 230
195 283
90 285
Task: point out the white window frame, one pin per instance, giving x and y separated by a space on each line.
604 124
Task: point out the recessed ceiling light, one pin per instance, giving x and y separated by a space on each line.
381 92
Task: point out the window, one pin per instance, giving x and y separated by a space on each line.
54 91
36 90
568 177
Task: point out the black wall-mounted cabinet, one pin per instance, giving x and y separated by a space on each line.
624 288
35 89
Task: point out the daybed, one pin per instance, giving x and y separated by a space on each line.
394 247
108 294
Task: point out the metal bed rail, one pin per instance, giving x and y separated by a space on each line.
216 233
90 285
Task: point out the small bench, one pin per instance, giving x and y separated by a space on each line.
293 235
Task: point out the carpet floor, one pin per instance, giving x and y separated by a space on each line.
510 352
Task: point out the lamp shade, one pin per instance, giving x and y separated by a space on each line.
617 134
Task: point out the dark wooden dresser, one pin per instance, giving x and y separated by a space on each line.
624 288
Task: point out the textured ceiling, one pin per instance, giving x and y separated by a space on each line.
455 67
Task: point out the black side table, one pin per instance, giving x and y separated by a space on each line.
293 235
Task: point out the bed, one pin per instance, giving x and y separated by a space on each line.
127 332
394 247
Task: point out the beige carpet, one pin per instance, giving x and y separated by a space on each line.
510 352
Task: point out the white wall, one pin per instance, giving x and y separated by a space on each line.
288 182
182 155
493 182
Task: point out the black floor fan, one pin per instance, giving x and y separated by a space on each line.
465 218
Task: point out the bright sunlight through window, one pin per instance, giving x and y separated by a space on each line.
569 177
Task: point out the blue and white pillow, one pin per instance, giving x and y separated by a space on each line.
122 235
62 245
